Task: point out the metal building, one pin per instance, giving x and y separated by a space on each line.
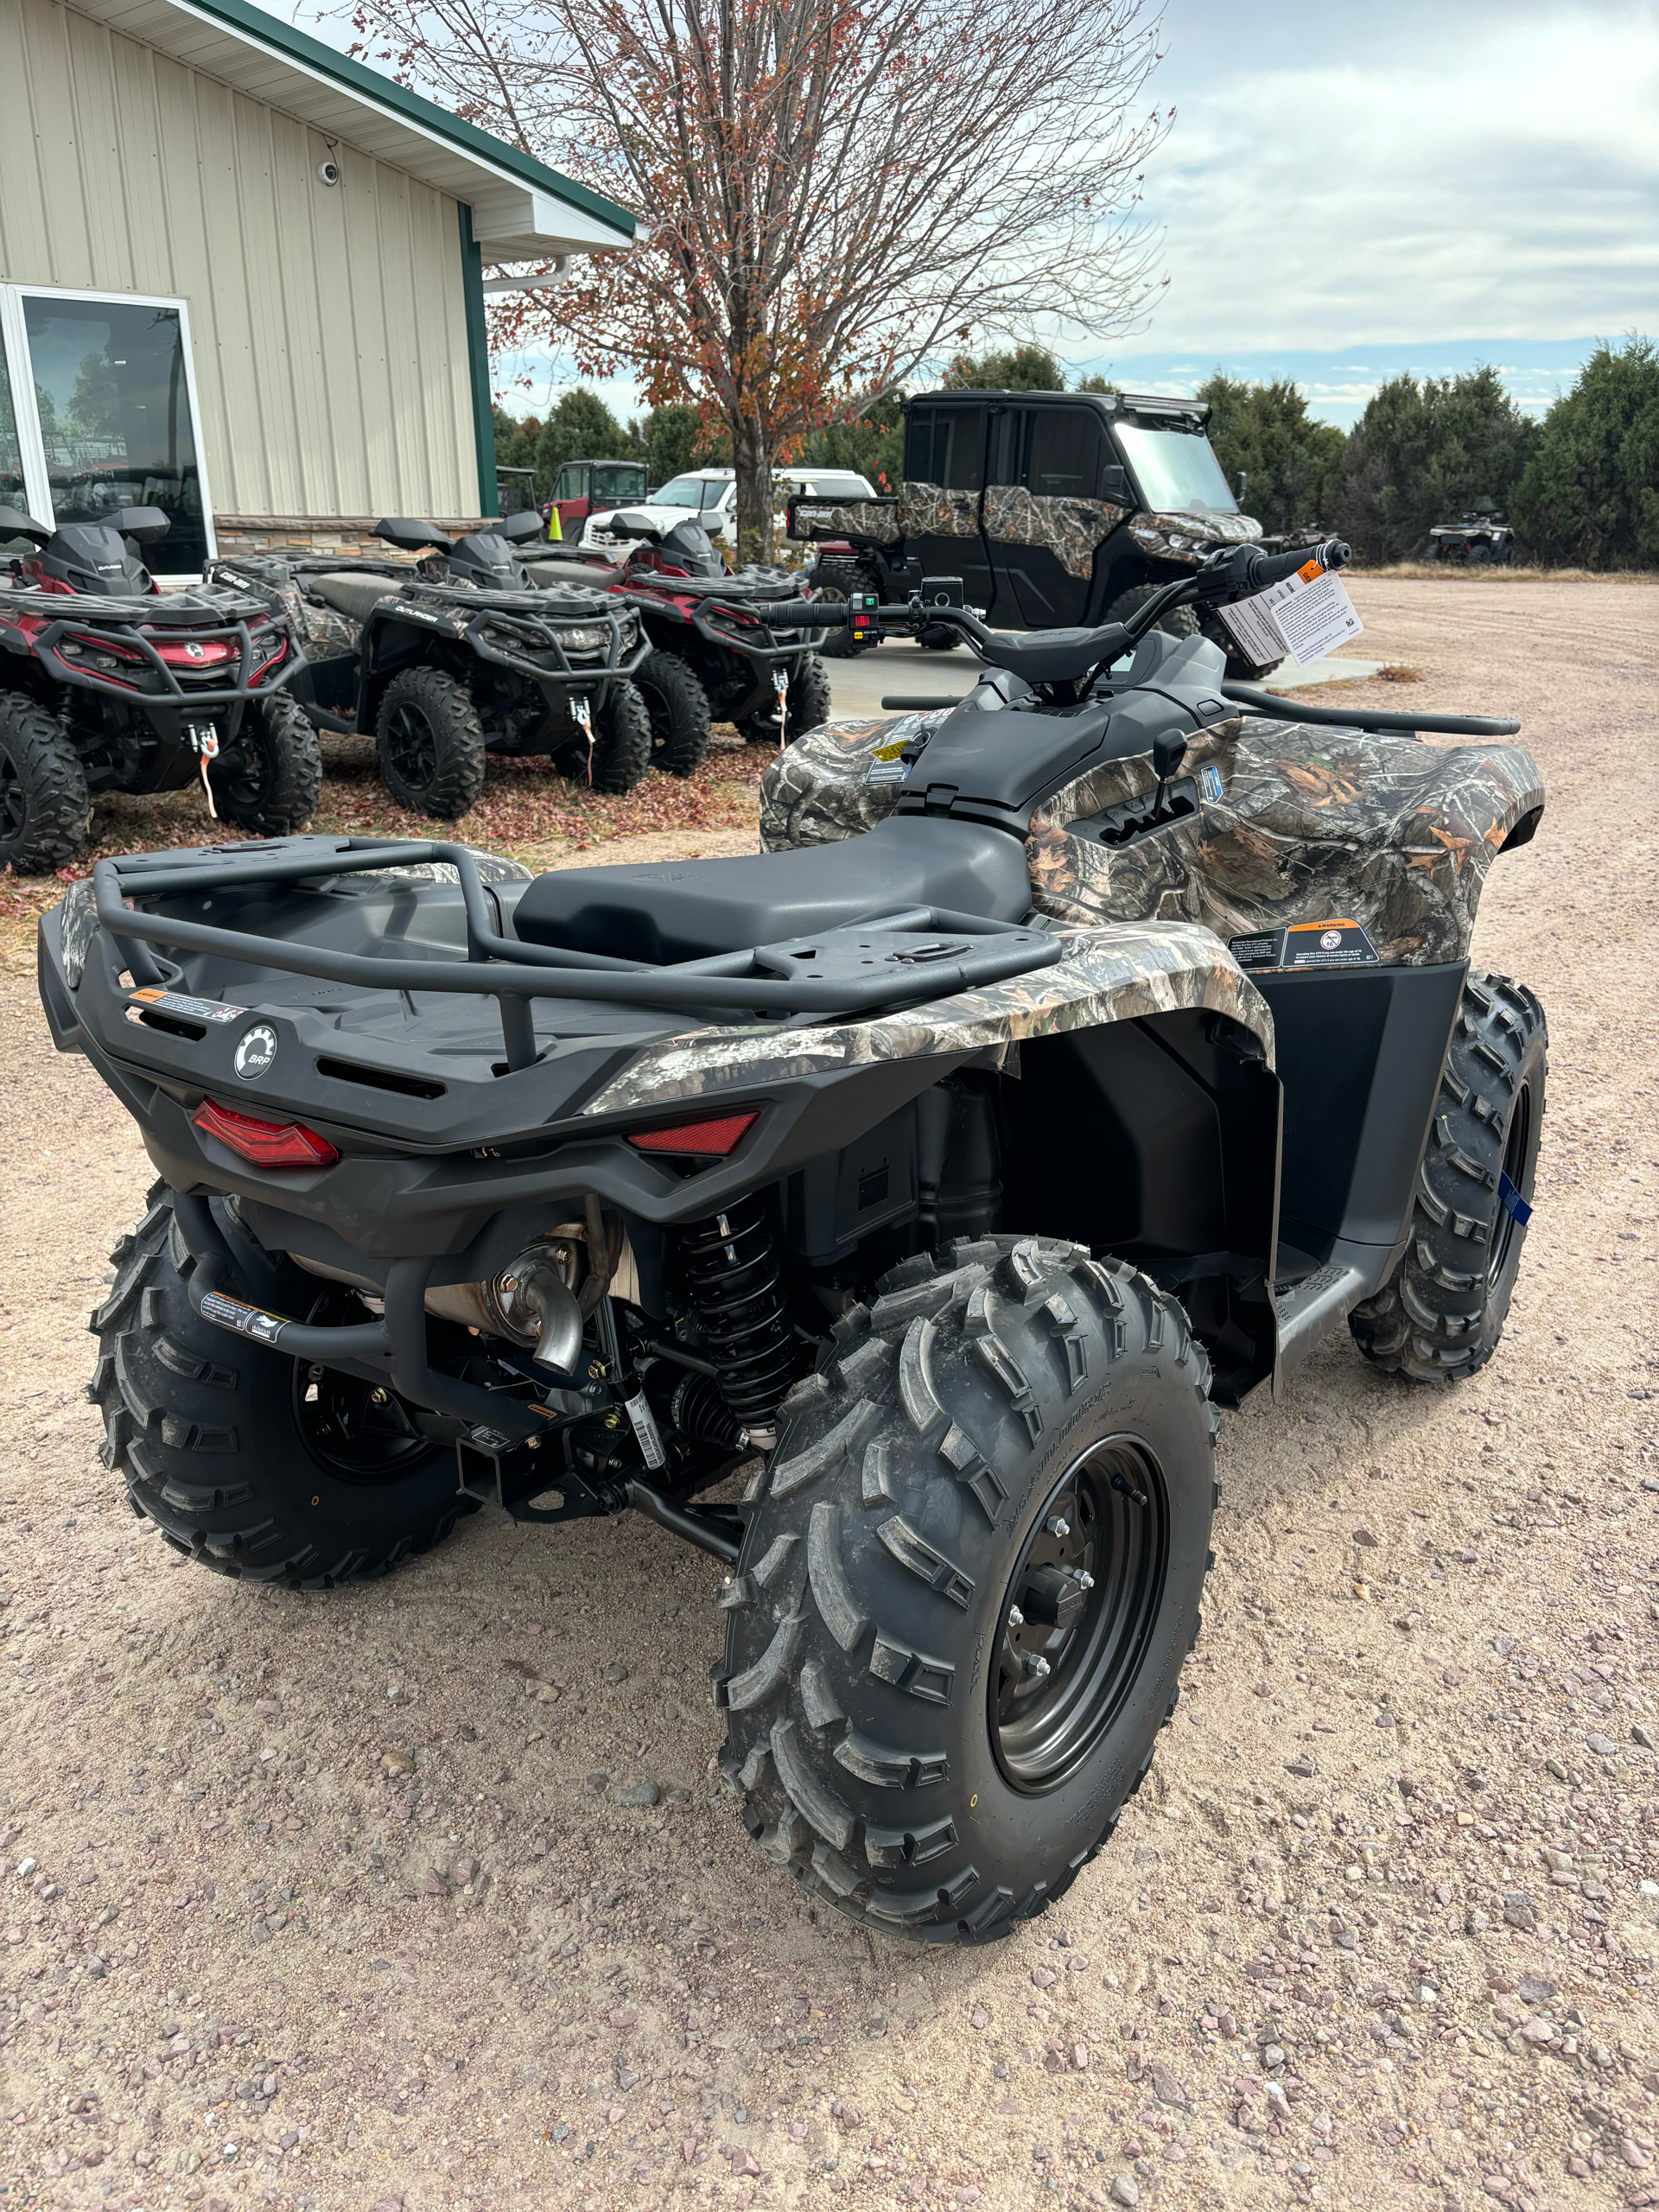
241 276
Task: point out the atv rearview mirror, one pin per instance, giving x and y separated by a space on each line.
143 524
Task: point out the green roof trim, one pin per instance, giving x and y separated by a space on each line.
299 46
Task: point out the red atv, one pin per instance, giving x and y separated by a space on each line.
106 685
711 660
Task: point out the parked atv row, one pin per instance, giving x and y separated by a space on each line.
106 685
1068 1066
497 643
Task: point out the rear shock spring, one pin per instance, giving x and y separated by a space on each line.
731 1274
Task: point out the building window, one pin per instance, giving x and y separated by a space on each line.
101 398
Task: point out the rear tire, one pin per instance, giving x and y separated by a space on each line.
44 804
270 779
895 1745
430 743
678 708
224 1449
834 580
1440 1315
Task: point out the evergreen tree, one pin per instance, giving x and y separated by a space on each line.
1026 368
1292 464
1426 453
1590 494
580 428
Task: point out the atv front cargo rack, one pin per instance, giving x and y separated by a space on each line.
951 952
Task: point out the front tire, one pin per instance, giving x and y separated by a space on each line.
44 802
255 1465
934 1718
678 708
269 779
1440 1315
430 743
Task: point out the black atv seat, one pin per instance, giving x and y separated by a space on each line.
685 910
544 573
354 596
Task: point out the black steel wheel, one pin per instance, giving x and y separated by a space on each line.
939 1698
254 1465
430 743
44 805
1440 1315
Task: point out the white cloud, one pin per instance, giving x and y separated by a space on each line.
1409 173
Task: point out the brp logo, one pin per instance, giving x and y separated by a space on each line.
255 1051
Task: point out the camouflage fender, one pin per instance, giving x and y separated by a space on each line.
1190 538
1391 833
815 792
1124 972
1308 825
1069 529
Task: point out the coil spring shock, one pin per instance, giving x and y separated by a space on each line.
731 1275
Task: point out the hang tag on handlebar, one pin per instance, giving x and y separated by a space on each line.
1303 617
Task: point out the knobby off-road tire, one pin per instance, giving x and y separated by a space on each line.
44 805
834 580
270 778
1178 622
678 708
621 744
808 704
1441 1313
429 743
937 638
254 1465
892 1746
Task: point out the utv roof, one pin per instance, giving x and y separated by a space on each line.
1109 403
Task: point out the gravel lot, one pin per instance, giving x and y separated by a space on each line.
341 1900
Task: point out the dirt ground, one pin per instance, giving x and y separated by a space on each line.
332 1902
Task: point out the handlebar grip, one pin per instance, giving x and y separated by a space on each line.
800 614
1261 570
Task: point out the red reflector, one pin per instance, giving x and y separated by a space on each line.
715 1137
267 1144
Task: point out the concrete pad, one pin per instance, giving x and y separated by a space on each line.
1334 668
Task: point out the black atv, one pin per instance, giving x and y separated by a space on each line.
463 656
1051 508
712 656
1483 539
106 685
888 1216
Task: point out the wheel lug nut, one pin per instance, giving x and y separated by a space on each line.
1085 1581
1035 1663
1016 1618
1059 1526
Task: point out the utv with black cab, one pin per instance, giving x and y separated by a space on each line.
463 655
105 684
935 1175
1054 509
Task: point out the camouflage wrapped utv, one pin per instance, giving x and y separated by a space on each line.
888 1214
1053 508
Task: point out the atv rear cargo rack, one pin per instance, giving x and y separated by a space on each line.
951 952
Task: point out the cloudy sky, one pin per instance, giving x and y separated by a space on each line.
1349 191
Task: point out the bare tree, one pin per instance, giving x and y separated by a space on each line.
831 193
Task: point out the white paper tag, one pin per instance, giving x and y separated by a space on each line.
1305 619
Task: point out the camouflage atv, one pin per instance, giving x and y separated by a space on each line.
1052 508
888 1214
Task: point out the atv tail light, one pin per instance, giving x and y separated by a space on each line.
714 1139
267 1144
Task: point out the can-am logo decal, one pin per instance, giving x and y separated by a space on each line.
196 652
255 1051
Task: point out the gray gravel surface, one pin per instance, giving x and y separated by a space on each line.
423 1894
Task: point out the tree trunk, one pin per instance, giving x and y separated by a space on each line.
753 462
